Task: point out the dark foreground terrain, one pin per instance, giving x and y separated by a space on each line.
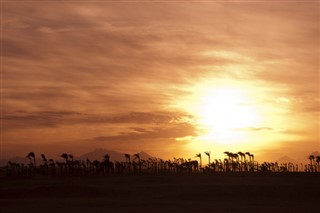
223 192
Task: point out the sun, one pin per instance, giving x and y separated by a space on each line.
224 109
221 112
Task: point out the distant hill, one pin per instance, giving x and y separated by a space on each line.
145 156
21 160
16 159
286 159
315 153
96 154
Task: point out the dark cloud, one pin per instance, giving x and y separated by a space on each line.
177 131
24 119
17 49
139 117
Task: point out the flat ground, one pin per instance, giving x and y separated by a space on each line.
223 192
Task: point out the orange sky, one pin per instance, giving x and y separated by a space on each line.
169 78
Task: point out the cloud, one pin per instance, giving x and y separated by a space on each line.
17 49
255 129
145 118
23 119
177 131
123 52
56 119
123 65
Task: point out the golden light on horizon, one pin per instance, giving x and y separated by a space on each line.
234 115
224 108
221 109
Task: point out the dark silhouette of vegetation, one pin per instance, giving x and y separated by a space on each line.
234 162
199 156
32 159
208 153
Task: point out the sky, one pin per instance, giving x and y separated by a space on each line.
169 78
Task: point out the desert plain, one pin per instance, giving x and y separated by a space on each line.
200 192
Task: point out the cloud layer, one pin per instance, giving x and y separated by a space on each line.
117 68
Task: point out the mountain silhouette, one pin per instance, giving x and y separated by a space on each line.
286 159
15 159
96 154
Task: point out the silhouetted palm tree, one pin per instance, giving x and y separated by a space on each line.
199 156
106 157
71 157
65 156
44 168
318 163
137 156
311 158
32 158
44 158
249 155
243 160
229 154
312 164
127 156
189 166
52 166
251 160
235 161
208 153
108 165
242 156
120 167
128 161
71 163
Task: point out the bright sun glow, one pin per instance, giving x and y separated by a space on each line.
224 109
222 112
